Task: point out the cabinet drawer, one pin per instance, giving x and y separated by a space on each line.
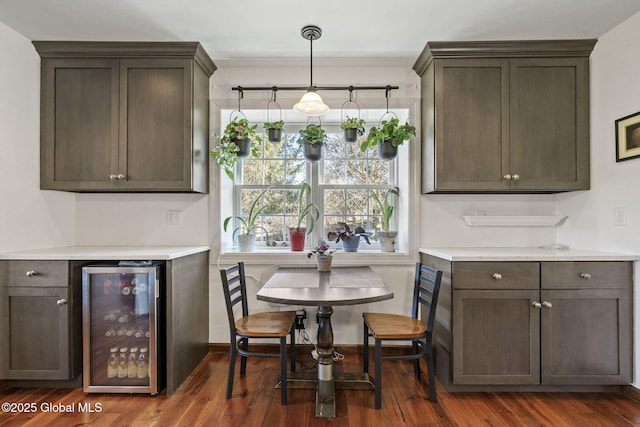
34 273
496 275
586 274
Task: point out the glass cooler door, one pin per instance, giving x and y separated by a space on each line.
120 329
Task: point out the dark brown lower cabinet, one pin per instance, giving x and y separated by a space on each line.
571 327
41 319
35 330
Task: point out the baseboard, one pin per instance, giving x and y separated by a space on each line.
631 392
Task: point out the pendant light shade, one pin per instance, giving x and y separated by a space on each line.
311 103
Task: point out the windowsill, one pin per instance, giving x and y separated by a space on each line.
285 257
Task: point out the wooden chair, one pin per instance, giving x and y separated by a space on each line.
395 327
277 324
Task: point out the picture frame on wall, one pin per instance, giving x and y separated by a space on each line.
628 137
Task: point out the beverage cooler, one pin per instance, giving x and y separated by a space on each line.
121 326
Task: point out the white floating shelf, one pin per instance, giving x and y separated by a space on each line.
513 220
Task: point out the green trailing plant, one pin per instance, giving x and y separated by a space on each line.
249 222
274 125
384 204
313 134
353 123
390 130
308 210
226 152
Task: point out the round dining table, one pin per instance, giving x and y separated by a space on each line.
306 286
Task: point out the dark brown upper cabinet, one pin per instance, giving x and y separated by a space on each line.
124 116
505 117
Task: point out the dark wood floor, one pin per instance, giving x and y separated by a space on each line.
201 402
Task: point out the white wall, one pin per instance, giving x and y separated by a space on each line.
615 93
29 218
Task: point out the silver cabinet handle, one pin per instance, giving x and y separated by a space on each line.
32 273
546 304
515 177
497 276
121 176
61 302
536 304
507 177
585 276
113 177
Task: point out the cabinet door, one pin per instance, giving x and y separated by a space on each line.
35 332
586 336
496 337
79 124
549 129
155 124
471 124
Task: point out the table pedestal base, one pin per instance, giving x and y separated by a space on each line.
325 390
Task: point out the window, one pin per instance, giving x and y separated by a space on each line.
341 181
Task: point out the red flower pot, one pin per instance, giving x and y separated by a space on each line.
296 237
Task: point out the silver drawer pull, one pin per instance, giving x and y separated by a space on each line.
585 276
507 177
121 176
547 304
536 304
32 273
515 177
497 276
61 302
113 177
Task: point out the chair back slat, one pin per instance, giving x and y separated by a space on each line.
235 291
425 293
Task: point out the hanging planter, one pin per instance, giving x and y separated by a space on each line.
274 129
238 140
312 139
352 126
388 137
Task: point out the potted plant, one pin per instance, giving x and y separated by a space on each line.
387 237
274 130
388 137
312 138
248 224
297 234
350 238
239 139
324 255
352 126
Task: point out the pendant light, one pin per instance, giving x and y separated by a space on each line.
311 103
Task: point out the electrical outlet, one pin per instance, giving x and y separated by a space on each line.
620 216
301 315
174 217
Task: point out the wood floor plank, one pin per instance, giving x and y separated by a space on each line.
201 401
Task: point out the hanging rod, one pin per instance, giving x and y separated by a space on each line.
386 88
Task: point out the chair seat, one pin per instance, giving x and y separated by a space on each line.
266 324
394 326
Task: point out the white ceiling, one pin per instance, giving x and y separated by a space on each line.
261 29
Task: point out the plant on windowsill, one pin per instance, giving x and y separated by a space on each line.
388 137
324 255
309 211
248 225
274 130
312 138
352 126
350 238
387 237
238 140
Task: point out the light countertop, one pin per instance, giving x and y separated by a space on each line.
133 253
525 254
